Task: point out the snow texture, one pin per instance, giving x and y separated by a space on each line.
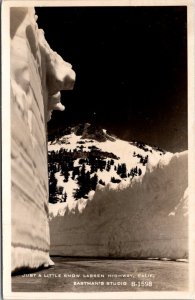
145 219
123 151
37 76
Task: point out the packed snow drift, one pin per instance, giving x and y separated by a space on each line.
136 207
37 76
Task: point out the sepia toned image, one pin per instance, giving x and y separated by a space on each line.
99 163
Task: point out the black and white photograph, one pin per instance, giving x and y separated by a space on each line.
97 150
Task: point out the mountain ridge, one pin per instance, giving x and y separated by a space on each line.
85 156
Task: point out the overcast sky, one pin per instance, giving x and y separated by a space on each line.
131 68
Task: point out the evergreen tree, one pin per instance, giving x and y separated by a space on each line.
123 171
52 188
112 162
87 183
64 197
84 183
94 181
108 167
75 172
52 183
119 169
66 174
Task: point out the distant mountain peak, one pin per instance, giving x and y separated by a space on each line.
92 131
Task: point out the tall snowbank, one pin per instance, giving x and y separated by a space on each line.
147 219
37 75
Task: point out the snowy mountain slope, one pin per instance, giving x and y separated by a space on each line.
108 158
143 215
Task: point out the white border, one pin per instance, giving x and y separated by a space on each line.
6 178
32 3
191 143
6 149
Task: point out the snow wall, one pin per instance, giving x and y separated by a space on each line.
147 219
37 76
